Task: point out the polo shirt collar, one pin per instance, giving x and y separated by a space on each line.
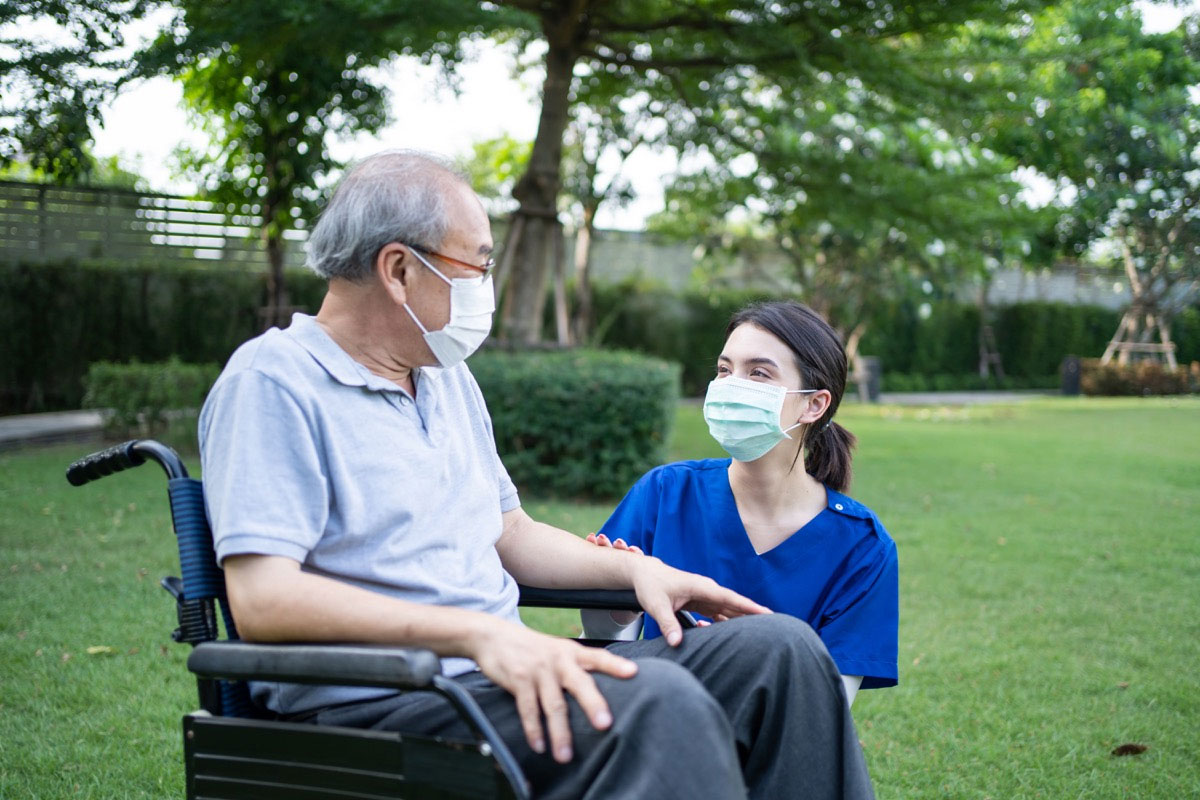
308 333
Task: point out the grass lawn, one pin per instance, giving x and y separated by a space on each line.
1050 580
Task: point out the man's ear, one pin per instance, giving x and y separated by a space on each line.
394 271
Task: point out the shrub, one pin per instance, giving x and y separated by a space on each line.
136 397
1142 378
579 423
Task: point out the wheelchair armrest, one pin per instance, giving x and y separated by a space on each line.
612 599
337 664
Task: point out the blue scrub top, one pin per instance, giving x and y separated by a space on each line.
838 573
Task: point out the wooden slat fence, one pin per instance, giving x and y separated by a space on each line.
44 223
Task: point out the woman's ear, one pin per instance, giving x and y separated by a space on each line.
815 408
394 271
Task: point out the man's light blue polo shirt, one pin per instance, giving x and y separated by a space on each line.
309 455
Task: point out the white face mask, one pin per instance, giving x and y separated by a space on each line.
472 301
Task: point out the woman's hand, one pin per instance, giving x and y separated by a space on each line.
600 540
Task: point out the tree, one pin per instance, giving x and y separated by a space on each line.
618 131
861 204
495 164
274 83
1114 121
683 55
52 86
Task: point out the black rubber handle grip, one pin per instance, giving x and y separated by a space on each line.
106 462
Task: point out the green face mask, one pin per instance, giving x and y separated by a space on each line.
743 416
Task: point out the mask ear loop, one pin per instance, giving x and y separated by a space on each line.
798 424
412 314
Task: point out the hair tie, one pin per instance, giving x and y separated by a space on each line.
825 427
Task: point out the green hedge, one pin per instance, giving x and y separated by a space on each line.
138 397
964 382
578 423
55 320
939 350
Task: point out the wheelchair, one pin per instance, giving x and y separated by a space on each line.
235 750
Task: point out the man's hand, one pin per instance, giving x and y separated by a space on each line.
536 668
663 590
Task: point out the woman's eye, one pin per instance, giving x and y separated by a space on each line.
758 373
722 370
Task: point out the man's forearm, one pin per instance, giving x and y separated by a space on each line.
541 555
273 600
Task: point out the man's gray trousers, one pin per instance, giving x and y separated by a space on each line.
753 707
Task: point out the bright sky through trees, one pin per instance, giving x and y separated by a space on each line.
146 123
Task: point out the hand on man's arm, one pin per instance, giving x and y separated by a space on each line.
274 600
541 555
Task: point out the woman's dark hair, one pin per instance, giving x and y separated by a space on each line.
821 359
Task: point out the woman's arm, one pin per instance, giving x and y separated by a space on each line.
601 624
851 682
619 626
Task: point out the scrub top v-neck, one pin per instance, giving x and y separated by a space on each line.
839 572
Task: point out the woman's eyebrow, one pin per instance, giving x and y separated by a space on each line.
724 359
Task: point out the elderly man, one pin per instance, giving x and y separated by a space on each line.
355 494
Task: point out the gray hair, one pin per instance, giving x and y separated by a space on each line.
396 196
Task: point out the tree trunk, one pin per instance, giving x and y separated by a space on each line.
582 323
537 192
276 311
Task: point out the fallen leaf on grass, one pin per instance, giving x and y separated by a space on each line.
1130 749
1123 685
65 657
100 650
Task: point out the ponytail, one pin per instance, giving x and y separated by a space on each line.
827 456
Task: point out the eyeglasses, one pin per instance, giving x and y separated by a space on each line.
486 267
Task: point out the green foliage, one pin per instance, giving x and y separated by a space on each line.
1032 337
52 87
721 79
1109 113
578 423
493 168
137 396
1143 378
55 320
687 328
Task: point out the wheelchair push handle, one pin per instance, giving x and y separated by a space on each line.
125 456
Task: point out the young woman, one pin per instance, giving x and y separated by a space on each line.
772 522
